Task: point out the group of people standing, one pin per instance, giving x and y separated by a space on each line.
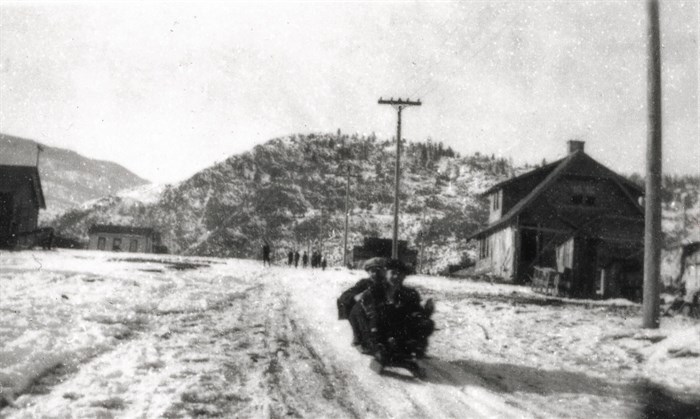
293 258
317 260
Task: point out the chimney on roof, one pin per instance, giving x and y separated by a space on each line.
575 145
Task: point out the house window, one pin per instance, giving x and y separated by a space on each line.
101 243
134 245
583 194
496 201
117 244
484 248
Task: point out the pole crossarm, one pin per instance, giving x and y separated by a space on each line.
399 102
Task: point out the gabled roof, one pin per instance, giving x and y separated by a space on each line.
559 168
548 168
544 170
117 229
30 173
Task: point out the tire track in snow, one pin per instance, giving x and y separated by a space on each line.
300 384
395 394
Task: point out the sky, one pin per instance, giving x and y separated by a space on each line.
167 89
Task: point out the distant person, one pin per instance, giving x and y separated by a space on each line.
315 259
296 258
266 254
46 238
305 260
324 263
290 258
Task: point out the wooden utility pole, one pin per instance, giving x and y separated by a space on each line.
421 236
652 219
399 105
320 238
347 213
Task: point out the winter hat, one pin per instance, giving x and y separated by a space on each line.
376 263
397 265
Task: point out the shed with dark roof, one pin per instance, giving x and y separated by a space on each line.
120 238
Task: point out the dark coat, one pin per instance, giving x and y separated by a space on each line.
347 299
397 320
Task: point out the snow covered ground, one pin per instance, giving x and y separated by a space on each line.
95 334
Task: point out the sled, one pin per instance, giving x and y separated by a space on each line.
408 363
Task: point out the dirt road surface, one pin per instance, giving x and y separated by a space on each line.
146 337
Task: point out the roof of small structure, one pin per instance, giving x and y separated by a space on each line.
30 173
555 171
118 229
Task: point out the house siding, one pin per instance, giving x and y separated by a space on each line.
499 260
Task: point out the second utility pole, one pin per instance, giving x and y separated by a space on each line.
399 105
347 213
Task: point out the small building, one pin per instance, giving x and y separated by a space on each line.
575 216
378 247
21 198
118 238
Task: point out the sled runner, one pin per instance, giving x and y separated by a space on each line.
406 362
405 353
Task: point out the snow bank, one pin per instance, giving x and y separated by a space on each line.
500 350
62 308
669 360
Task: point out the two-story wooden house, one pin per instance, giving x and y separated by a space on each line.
573 215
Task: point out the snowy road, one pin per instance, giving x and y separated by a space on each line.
88 334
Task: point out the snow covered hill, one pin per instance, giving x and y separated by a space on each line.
93 334
290 190
68 179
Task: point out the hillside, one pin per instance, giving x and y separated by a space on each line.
289 189
68 179
283 189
